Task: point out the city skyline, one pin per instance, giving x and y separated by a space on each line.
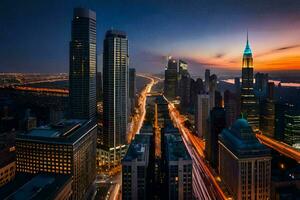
196 32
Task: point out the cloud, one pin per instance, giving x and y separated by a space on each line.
279 49
219 55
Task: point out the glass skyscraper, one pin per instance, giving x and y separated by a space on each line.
249 106
82 75
115 92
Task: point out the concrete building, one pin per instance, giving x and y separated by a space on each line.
115 94
244 163
171 79
135 167
202 114
82 72
67 148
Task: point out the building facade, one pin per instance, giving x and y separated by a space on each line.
249 105
202 114
82 74
230 102
115 93
132 89
68 148
244 163
171 79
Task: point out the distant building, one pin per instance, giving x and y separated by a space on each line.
40 186
202 114
132 89
230 106
212 89
281 109
135 167
249 105
171 79
82 74
67 148
292 130
99 92
115 94
197 87
184 85
267 112
244 163
179 168
206 80
218 99
217 122
261 83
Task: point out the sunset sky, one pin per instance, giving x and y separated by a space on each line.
35 35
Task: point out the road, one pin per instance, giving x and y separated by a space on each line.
205 185
138 119
280 147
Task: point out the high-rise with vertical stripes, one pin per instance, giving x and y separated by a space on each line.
82 74
115 93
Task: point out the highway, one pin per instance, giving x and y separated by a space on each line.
138 119
205 185
280 147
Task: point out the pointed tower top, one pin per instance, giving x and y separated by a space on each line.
247 50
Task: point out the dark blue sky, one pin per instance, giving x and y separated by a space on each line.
35 34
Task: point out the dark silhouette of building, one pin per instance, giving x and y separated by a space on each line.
99 92
230 106
171 79
218 99
217 123
82 74
184 86
132 88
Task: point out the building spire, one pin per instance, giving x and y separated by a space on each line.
247 49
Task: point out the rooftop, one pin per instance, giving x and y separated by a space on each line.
115 33
41 186
138 149
240 139
66 129
175 148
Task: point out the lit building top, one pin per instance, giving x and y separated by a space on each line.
65 131
241 141
247 51
175 148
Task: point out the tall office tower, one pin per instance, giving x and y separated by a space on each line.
197 87
218 99
184 89
244 163
202 114
115 93
217 122
212 89
267 112
179 168
261 82
99 92
237 85
281 109
132 88
230 101
82 75
292 129
135 168
68 147
249 105
171 79
206 80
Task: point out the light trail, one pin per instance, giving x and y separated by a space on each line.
205 185
280 147
138 119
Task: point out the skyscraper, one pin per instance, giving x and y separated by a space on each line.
202 114
82 75
206 80
115 93
171 79
184 85
99 86
230 101
217 123
249 106
132 88
244 163
212 89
